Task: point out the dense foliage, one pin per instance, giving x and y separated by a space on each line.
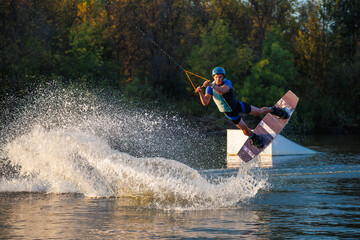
266 46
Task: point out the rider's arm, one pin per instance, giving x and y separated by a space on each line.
220 89
205 99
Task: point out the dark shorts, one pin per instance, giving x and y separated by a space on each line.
241 107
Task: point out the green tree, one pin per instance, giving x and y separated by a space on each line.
218 48
25 32
84 58
342 83
136 27
266 13
90 48
343 18
272 75
313 60
312 52
235 13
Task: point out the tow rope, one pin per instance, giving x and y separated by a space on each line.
163 51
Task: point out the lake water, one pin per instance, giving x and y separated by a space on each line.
79 169
303 197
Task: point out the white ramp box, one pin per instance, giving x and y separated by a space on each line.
281 146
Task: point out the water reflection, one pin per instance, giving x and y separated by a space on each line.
39 216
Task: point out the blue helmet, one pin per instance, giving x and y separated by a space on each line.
218 70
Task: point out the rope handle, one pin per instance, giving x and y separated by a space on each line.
187 74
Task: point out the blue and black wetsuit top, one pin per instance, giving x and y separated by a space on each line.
226 102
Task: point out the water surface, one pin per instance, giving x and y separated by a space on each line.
76 167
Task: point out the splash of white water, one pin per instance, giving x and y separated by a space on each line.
59 161
75 156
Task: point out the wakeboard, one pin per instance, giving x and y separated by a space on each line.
269 127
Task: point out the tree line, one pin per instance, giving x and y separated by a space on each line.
266 47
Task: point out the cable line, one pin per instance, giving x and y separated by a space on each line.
161 49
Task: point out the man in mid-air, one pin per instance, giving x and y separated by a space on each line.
224 97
